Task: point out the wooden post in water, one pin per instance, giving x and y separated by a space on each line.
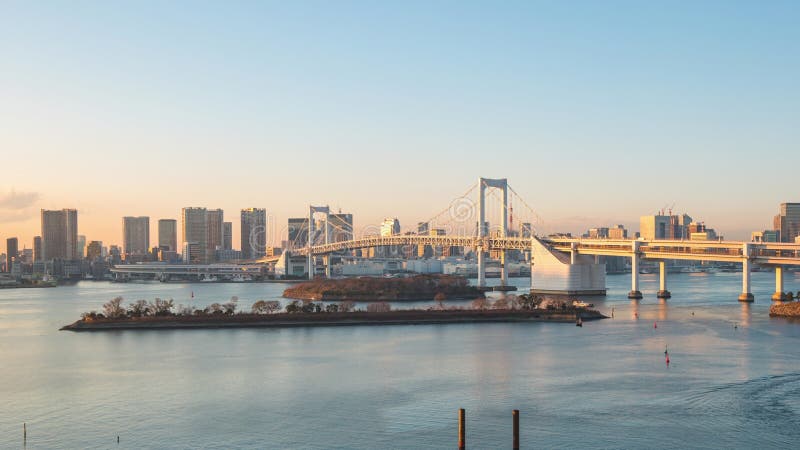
515 416
462 430
24 431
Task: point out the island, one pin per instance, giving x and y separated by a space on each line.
413 288
162 314
788 309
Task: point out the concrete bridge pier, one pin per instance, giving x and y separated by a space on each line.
746 295
663 293
779 293
328 270
481 268
635 293
503 269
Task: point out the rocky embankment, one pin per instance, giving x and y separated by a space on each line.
399 317
785 310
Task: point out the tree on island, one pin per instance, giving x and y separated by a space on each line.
161 307
214 308
113 309
379 307
480 303
439 298
265 307
138 308
346 306
331 307
500 303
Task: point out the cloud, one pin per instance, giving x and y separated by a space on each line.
14 200
15 216
17 206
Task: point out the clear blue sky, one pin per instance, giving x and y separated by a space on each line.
597 112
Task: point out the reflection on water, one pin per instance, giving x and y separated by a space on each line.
732 381
746 312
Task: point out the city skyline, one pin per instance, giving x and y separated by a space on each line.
601 114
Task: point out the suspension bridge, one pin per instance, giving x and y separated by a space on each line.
558 265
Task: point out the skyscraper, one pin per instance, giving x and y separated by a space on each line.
94 250
194 225
254 233
341 227
227 235
390 227
37 248
216 233
81 247
787 222
298 232
12 250
59 234
136 235
168 234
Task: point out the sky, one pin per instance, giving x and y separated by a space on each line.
597 112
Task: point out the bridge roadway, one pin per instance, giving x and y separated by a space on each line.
777 255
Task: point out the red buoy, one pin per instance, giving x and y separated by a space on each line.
655 325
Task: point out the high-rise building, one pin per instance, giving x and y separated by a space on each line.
390 227
298 232
203 227
254 233
424 251
227 235
37 248
787 222
12 251
168 235
81 246
59 234
94 250
216 233
136 236
341 227
617 232
193 253
674 227
194 227
597 233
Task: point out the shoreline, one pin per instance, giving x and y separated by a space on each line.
287 320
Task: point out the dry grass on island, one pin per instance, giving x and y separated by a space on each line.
163 314
417 287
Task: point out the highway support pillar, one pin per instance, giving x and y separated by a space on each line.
635 293
779 294
328 271
746 295
662 281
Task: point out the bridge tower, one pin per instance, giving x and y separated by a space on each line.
311 263
483 184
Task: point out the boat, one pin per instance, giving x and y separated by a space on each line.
582 304
579 322
209 279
